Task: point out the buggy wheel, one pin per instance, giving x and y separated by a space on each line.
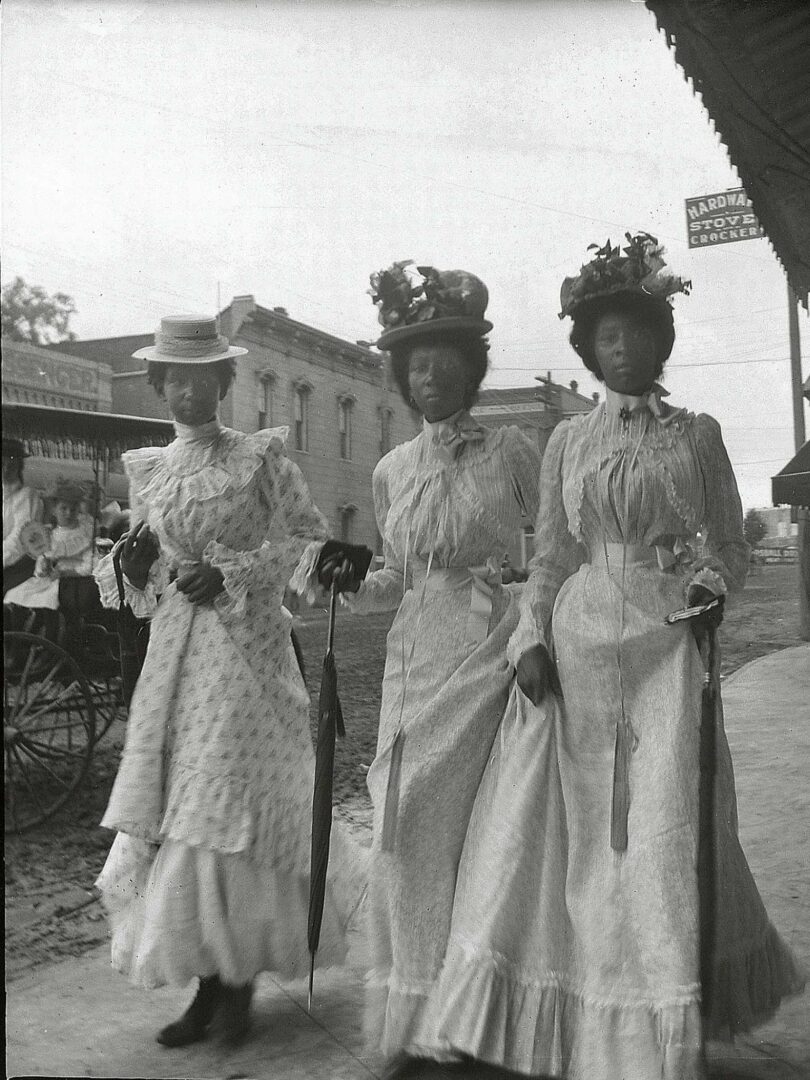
48 729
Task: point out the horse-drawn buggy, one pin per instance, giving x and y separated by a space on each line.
62 675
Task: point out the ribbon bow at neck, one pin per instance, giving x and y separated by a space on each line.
627 404
450 436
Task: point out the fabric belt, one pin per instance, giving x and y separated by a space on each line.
482 581
614 556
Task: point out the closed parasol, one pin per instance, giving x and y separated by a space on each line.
330 724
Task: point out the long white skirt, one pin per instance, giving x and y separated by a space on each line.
178 911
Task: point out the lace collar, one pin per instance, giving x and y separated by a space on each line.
626 405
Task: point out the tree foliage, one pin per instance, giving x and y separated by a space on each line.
31 314
754 527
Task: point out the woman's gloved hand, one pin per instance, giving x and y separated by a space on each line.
137 555
344 565
696 596
537 674
200 583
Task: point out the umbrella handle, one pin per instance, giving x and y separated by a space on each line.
332 610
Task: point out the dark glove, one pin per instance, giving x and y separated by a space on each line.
344 564
709 621
537 674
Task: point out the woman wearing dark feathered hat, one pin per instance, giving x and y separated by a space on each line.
577 936
448 504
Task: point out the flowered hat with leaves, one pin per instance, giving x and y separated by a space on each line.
427 301
637 268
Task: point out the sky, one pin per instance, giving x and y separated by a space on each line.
164 156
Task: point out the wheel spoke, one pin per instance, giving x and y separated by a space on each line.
42 688
23 769
11 794
52 751
69 725
38 761
50 705
29 659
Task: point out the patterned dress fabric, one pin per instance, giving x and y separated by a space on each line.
448 504
212 802
567 957
70 554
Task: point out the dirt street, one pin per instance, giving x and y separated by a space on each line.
51 910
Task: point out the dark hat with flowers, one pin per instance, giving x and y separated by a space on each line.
638 268
427 301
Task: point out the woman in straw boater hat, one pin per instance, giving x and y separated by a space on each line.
21 504
208 875
448 504
606 922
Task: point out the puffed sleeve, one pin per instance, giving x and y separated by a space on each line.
382 589
725 566
296 535
523 461
556 553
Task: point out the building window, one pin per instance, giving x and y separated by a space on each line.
347 515
386 420
345 406
265 401
301 417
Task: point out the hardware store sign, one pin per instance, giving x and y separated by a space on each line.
721 219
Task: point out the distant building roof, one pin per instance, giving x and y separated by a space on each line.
748 60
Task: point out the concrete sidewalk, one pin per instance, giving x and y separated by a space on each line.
79 1018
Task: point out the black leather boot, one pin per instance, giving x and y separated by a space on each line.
193 1024
234 1012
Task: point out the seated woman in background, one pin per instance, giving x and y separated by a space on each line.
69 554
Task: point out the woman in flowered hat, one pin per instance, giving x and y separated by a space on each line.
448 504
607 922
208 876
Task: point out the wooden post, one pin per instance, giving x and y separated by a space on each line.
799 438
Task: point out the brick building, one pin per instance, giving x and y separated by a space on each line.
343 409
536 410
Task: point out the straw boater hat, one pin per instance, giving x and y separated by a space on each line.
188 339
442 301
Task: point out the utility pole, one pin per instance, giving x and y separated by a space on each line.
799 439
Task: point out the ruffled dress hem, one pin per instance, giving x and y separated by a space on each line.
543 1024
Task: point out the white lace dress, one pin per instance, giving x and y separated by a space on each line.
569 955
447 515
212 802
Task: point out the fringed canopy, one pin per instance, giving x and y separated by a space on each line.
71 433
